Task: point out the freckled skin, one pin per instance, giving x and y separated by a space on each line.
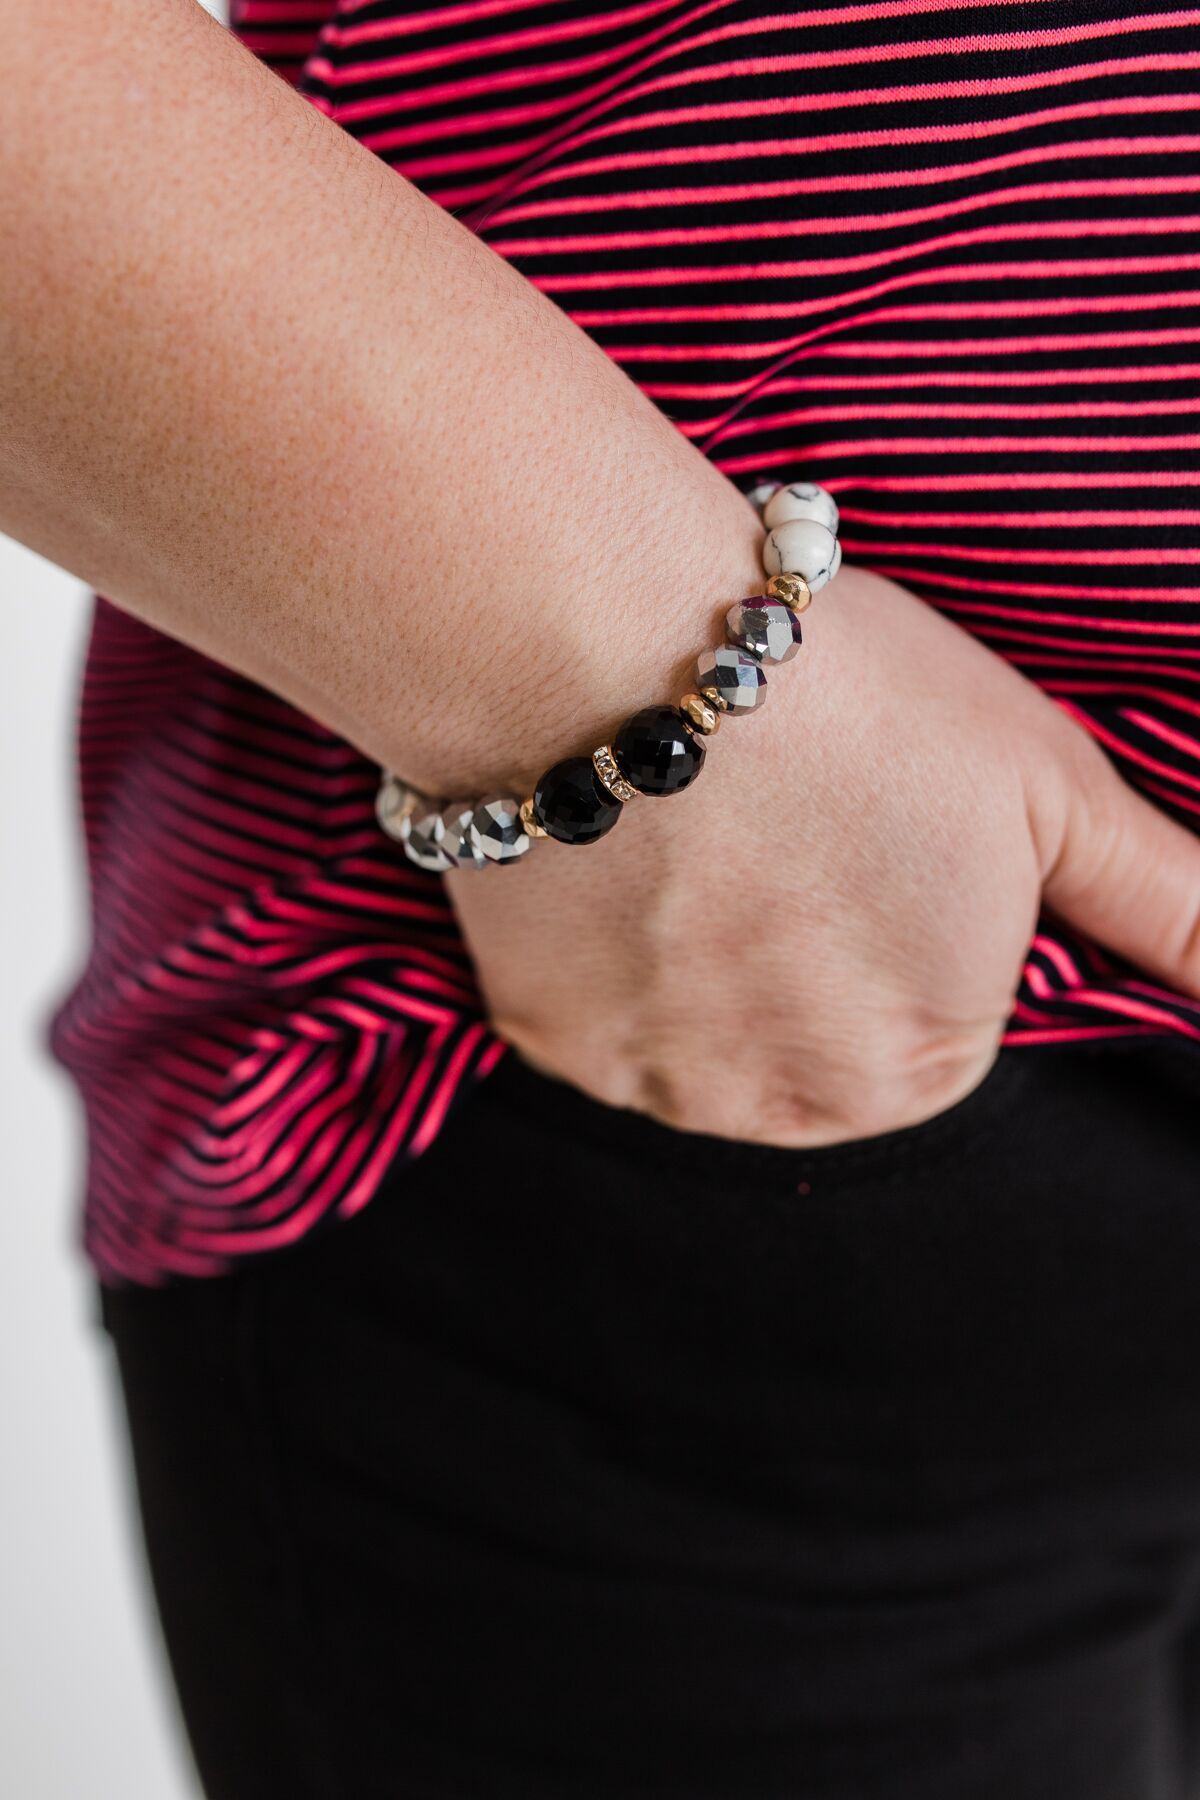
262 394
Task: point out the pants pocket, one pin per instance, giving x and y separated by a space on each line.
562 1109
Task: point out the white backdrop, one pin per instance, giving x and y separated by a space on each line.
86 1711
86 1708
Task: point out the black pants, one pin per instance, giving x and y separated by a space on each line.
597 1460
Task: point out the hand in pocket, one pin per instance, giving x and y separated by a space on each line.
822 938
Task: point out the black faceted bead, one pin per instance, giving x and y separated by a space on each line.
657 752
573 804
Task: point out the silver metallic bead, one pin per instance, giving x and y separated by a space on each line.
801 500
734 675
496 828
766 629
422 838
393 803
457 842
800 547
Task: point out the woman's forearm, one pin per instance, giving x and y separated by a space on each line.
262 393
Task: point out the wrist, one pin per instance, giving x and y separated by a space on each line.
658 748
609 632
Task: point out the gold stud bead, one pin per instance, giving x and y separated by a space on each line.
605 765
790 590
715 698
700 714
530 821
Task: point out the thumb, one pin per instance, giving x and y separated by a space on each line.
1121 871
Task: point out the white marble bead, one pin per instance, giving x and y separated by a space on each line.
836 564
801 547
761 492
801 500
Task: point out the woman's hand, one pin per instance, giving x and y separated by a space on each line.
821 939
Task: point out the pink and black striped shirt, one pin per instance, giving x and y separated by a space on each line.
944 259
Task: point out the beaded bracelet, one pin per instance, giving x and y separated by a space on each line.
659 750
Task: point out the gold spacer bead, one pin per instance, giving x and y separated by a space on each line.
700 714
715 698
605 765
790 590
530 821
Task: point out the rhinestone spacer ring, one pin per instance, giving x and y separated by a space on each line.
658 750
606 768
